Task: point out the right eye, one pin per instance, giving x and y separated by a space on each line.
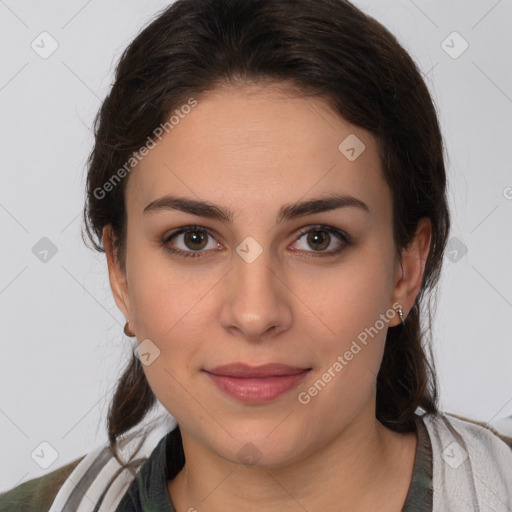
193 241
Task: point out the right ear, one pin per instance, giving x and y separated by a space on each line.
116 274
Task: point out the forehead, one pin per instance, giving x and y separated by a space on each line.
254 146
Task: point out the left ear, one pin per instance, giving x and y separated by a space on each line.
409 274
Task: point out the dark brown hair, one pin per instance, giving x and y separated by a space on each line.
319 48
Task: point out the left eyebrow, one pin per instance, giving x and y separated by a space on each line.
287 212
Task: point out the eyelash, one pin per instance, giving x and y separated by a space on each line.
340 235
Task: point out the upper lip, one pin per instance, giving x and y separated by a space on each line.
247 371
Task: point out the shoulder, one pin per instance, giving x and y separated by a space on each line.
476 427
98 477
470 432
468 435
36 495
470 459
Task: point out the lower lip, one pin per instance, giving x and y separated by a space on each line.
257 390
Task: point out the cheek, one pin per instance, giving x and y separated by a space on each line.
351 299
349 365
160 292
172 307
355 309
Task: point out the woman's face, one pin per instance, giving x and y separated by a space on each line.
253 289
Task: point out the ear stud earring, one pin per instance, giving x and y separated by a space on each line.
127 330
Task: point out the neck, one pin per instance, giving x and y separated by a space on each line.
367 466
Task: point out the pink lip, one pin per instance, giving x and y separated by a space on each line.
256 383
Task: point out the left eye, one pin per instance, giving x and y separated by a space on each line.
322 237
194 241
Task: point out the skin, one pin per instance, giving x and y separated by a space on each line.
253 149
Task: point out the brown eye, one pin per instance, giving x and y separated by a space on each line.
190 241
195 240
319 238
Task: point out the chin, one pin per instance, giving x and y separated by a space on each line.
270 445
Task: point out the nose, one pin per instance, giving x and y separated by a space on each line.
256 302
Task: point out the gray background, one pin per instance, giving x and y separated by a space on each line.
61 334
